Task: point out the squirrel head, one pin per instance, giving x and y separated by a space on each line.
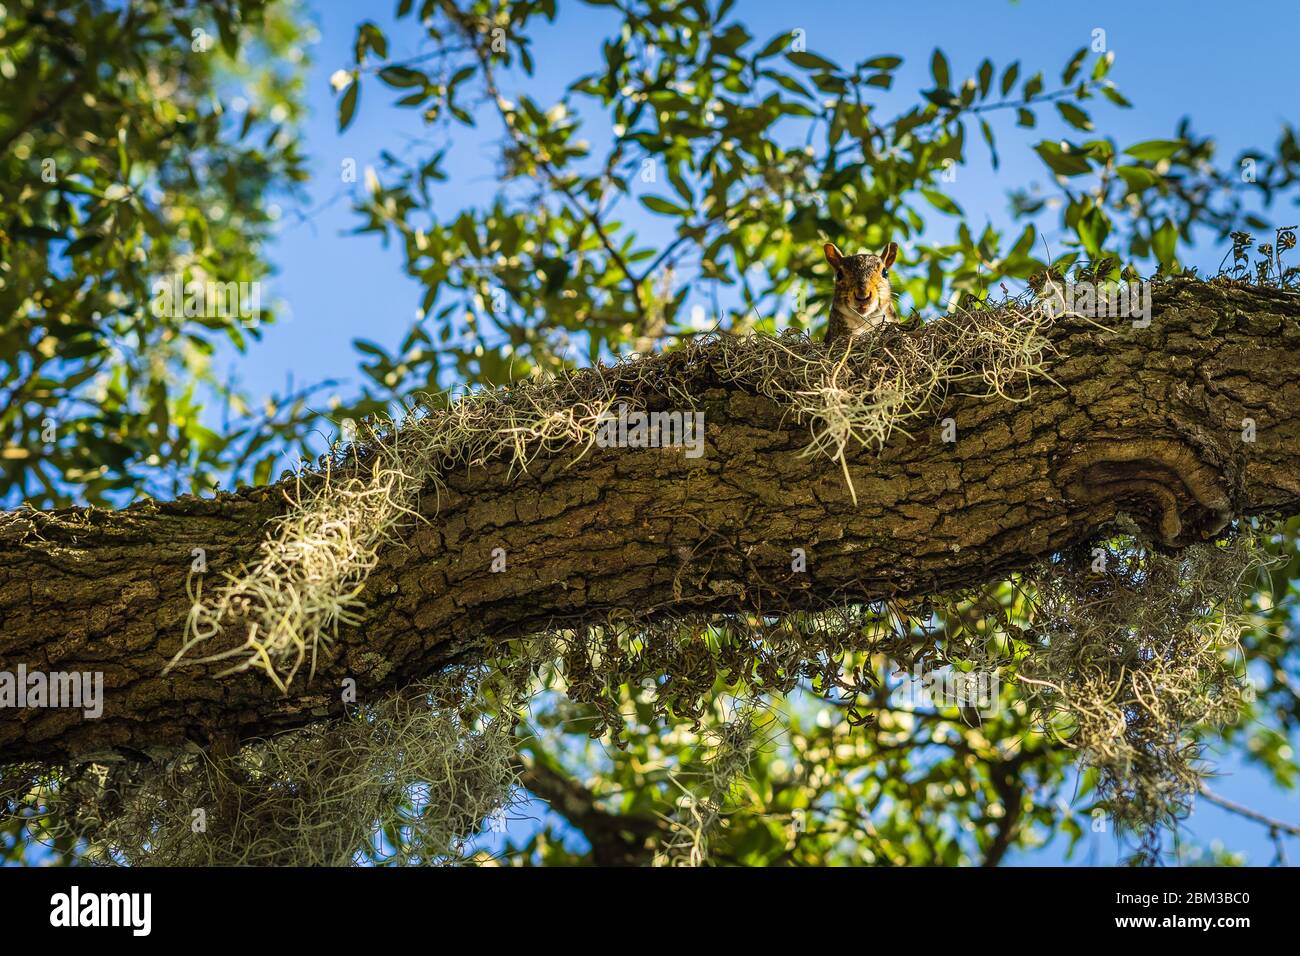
862 281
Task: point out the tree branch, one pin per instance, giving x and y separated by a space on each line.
1145 422
616 839
1275 826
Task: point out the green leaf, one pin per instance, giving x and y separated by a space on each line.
1163 244
370 348
348 105
1137 178
1009 77
88 241
787 82
1093 228
80 348
400 77
883 63
812 61
37 232
1074 116
944 98
939 69
1154 150
941 202
987 132
1115 96
774 45
679 183
732 39
370 37
830 84
1072 68
1063 160
663 206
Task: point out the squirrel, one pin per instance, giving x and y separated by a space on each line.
863 299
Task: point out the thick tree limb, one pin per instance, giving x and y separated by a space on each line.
1148 422
617 839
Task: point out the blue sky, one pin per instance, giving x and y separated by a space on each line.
1229 68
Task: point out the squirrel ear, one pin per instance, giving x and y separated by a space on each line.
890 253
833 254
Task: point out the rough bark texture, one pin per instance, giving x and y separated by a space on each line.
1148 422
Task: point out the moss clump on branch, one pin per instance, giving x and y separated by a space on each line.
406 780
1131 651
698 817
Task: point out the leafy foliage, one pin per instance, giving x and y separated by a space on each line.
127 158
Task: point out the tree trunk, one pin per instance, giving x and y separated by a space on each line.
1154 422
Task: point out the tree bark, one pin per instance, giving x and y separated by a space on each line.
1153 422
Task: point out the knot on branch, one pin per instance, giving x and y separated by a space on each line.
1182 498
